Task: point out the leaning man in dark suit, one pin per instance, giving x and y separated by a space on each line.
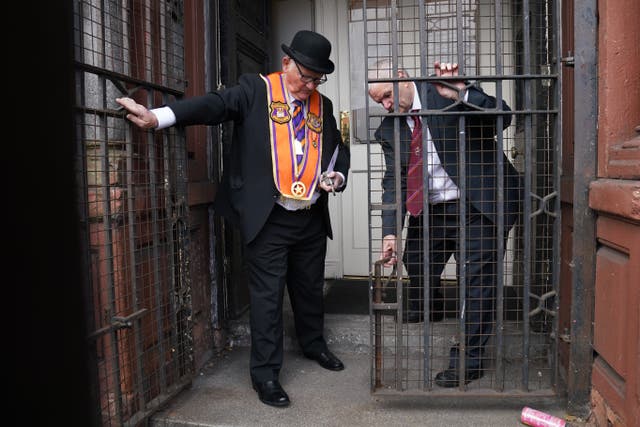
437 139
286 156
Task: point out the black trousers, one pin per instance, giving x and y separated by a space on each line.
481 259
290 250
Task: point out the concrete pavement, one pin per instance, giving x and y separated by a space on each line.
221 395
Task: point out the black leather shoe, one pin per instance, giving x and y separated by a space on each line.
271 393
326 359
449 377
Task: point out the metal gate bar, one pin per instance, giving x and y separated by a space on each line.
499 357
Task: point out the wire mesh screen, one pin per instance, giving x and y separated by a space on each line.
464 284
133 207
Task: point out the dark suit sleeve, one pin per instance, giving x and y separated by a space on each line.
384 136
216 107
479 98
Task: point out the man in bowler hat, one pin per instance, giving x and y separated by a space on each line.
286 156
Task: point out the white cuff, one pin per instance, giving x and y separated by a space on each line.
165 117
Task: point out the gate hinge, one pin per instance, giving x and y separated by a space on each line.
569 60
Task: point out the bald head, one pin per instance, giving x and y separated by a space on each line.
382 92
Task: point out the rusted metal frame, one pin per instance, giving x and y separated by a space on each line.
133 254
181 214
499 297
557 171
462 213
584 235
81 171
80 42
172 221
398 190
133 277
108 230
108 248
172 217
117 79
130 224
136 19
85 247
133 263
158 279
528 217
154 175
378 306
426 266
176 218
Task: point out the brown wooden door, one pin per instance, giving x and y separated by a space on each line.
615 198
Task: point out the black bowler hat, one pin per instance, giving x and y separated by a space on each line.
311 50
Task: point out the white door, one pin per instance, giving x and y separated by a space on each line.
348 253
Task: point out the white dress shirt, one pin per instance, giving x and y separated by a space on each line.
441 186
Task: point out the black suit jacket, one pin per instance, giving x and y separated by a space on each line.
481 170
248 193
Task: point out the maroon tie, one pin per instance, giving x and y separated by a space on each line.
414 173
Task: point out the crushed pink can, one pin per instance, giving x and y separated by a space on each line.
535 418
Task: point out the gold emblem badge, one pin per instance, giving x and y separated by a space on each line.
298 189
279 112
314 123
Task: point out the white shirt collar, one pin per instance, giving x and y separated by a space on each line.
417 105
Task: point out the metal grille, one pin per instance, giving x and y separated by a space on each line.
133 207
508 49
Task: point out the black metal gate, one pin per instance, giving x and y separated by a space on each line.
480 316
133 207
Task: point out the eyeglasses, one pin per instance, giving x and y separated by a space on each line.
308 79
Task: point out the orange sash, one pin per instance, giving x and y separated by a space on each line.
293 180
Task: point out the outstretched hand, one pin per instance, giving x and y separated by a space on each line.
138 114
445 70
